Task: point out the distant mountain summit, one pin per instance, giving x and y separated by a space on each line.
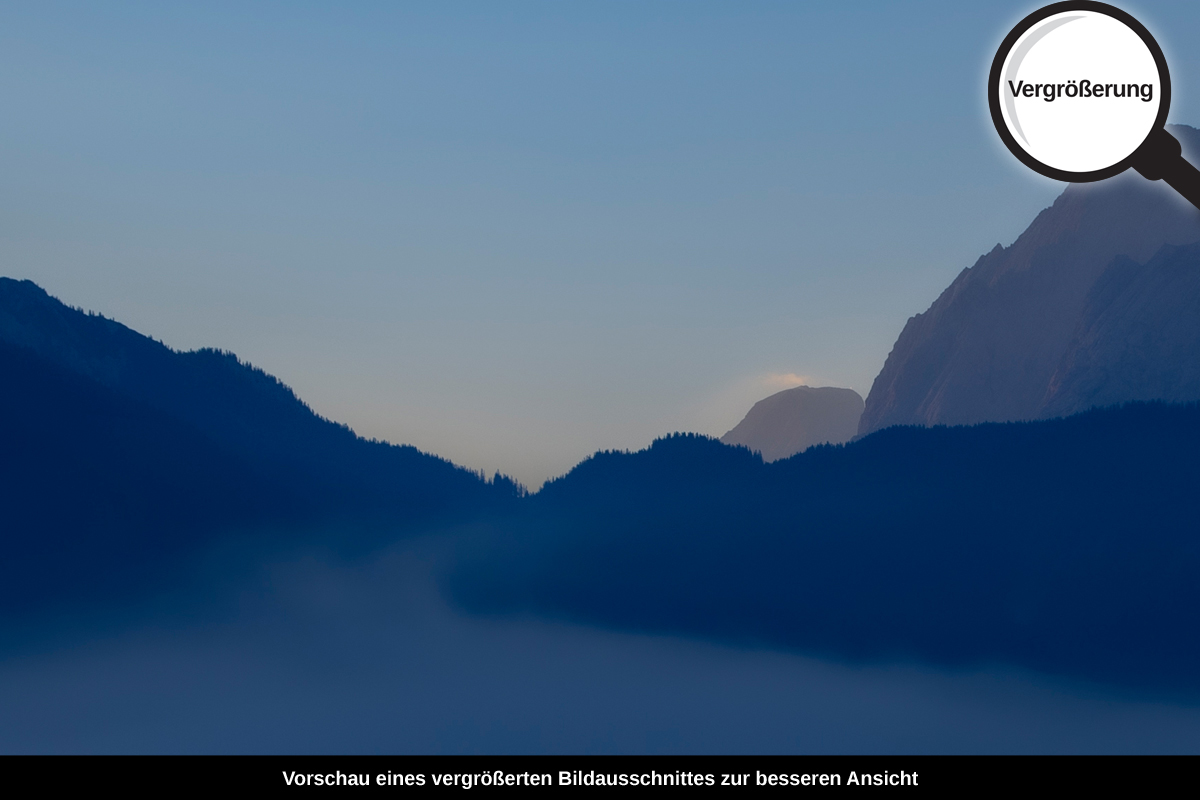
1095 303
795 419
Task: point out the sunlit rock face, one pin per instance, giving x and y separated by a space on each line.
1088 306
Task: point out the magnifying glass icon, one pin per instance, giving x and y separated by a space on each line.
1079 92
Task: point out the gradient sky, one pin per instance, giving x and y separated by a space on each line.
515 233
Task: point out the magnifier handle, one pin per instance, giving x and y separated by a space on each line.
1161 158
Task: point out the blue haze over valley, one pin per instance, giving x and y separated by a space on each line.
362 371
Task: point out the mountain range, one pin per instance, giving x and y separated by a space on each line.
1094 303
1038 530
119 451
1067 546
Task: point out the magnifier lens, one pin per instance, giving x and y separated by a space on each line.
1079 91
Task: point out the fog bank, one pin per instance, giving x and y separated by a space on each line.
313 655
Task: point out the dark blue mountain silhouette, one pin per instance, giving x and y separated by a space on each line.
117 451
1067 545
244 409
94 485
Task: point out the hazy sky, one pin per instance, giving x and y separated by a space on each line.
515 233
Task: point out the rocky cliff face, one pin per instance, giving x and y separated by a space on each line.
1138 338
793 420
1042 327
